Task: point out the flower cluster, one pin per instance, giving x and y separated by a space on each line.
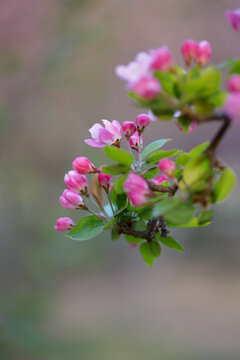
150 189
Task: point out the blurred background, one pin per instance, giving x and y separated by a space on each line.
62 299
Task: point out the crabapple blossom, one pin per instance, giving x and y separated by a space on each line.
104 179
137 189
83 165
142 121
189 51
110 134
166 166
159 179
233 18
148 87
128 128
64 224
135 141
204 53
135 70
76 182
232 106
71 200
162 59
233 83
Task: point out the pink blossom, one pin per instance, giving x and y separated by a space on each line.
64 224
110 134
232 106
234 83
147 87
159 179
128 128
166 166
83 165
162 59
189 51
135 70
142 121
71 200
135 141
233 18
76 182
104 179
204 53
190 128
137 189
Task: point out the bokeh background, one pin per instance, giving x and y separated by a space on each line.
62 299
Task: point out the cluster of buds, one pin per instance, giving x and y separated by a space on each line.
200 52
133 131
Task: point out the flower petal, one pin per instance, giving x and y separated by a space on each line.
93 143
94 130
105 137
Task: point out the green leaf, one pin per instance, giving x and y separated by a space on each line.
218 99
192 223
225 64
110 224
118 184
154 146
225 185
196 173
119 155
183 159
199 149
168 81
133 240
236 67
151 173
158 155
174 210
87 228
170 242
146 253
120 200
205 216
117 169
155 248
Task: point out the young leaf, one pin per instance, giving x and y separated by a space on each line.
133 240
197 171
117 169
199 149
119 155
155 248
192 223
119 200
171 243
153 147
87 228
174 210
151 173
205 216
225 185
118 185
183 159
158 155
146 253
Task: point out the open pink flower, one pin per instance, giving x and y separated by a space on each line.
233 18
64 224
162 59
135 70
232 106
110 134
137 189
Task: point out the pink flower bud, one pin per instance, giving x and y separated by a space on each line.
64 224
204 53
137 189
189 51
83 165
233 18
190 128
232 106
142 121
71 200
166 166
76 182
234 83
162 59
159 179
128 128
135 141
104 179
147 88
